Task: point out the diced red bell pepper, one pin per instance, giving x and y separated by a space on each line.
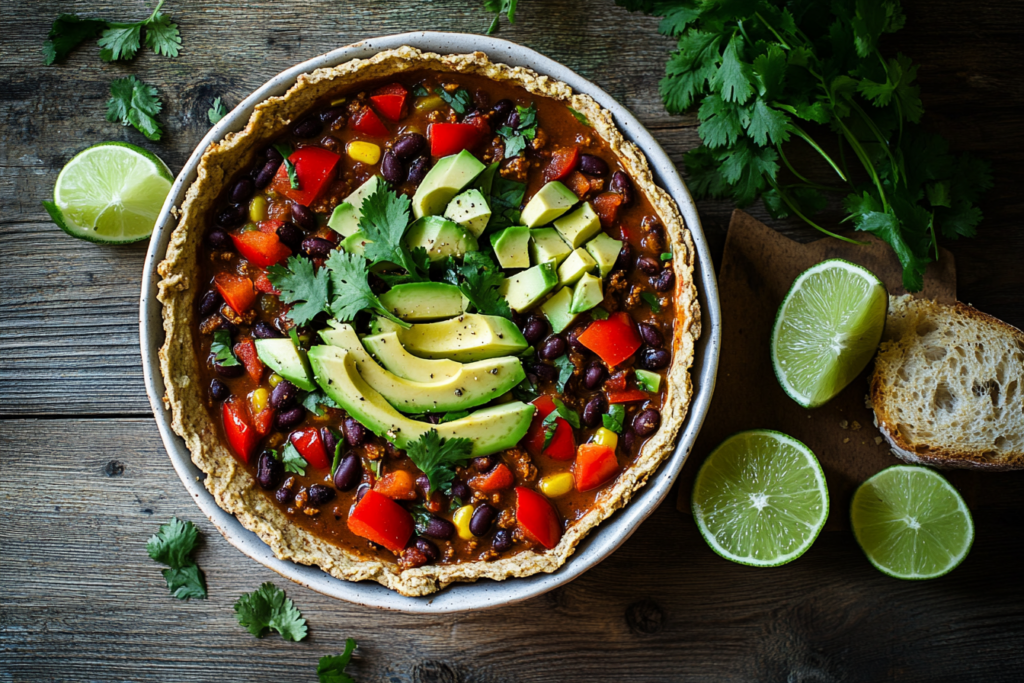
397 485
578 183
314 168
246 350
390 100
367 122
537 518
270 226
563 162
236 290
562 445
595 466
241 433
451 138
498 479
606 206
481 125
381 520
264 421
309 445
614 339
261 248
627 395
617 382
264 285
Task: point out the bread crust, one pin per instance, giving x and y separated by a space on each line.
234 488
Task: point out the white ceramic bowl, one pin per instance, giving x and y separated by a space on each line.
485 593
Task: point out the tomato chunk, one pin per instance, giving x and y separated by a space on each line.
595 466
381 520
264 421
451 138
390 100
261 248
499 478
562 445
397 485
246 350
627 395
367 122
238 427
314 168
537 518
614 339
309 445
264 285
270 225
607 206
578 183
563 162
236 290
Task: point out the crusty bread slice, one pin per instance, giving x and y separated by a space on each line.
948 386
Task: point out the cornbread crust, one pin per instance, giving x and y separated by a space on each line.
233 487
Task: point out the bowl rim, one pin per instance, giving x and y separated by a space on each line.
485 593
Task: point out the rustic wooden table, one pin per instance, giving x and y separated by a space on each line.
85 479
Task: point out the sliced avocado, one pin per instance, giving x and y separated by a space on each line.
475 384
355 243
651 380
470 210
345 219
284 358
392 355
573 268
558 311
605 250
440 237
485 181
587 294
445 180
550 202
530 286
511 246
491 430
547 245
469 337
423 301
579 226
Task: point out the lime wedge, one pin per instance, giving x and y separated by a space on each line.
911 523
760 498
827 330
110 193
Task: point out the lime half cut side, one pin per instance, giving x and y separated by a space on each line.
110 193
827 329
911 523
760 498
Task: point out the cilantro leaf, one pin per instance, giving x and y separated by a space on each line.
173 545
123 40
437 457
67 32
598 313
162 36
766 124
734 76
350 288
299 282
550 423
506 198
499 7
217 111
420 91
526 129
220 347
267 607
651 301
482 280
525 391
331 668
134 103
565 371
614 418
460 100
186 582
314 400
384 221
291 459
579 116
120 41
293 177
338 448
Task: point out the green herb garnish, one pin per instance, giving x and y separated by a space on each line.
300 283
134 103
497 8
460 100
506 198
289 168
614 418
384 220
173 545
437 458
526 129
217 111
267 607
118 41
220 347
291 459
651 301
331 668
66 33
525 391
350 288
565 370
314 401
580 117
482 278
550 422
598 313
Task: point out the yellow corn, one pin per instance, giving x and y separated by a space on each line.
363 152
555 485
274 379
258 209
428 103
461 519
340 100
606 437
259 399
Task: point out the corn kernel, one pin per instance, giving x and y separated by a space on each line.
606 437
555 485
364 152
258 209
274 379
259 399
461 518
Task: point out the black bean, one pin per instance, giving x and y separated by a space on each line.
621 184
480 522
269 471
483 464
264 330
307 128
392 450
228 370
551 348
654 359
288 419
461 491
267 173
331 115
284 495
628 437
437 527
535 329
283 395
329 440
409 145
423 481
218 239
651 335
290 236
594 409
391 168
592 165
502 540
513 119
272 154
320 494
226 324
418 168
574 338
210 302
303 217
547 373
428 549
646 422
242 191
594 375
353 431
502 108
648 265
231 216
317 247
361 491
349 472
625 260
434 419
218 390
664 281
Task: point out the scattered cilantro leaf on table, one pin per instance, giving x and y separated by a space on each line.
220 347
497 8
67 32
331 668
384 221
268 607
217 111
614 418
437 457
119 40
526 129
173 545
134 103
300 283
481 283
460 100
350 288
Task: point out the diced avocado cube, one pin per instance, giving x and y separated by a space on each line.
546 245
528 287
648 381
355 243
605 250
284 358
485 181
470 210
587 294
345 219
440 237
446 179
550 202
558 310
512 246
579 226
422 301
573 268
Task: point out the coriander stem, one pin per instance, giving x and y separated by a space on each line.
868 166
792 205
785 45
806 181
878 135
810 141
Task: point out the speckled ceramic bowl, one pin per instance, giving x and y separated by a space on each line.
485 593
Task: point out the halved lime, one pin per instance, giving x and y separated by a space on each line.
911 523
760 498
110 193
827 330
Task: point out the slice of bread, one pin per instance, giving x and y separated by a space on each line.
948 386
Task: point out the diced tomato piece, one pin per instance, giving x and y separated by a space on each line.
264 421
563 162
537 518
606 206
264 285
242 436
481 125
367 122
627 395
562 445
614 339
390 100
451 138
595 466
261 248
381 520
269 226
246 350
391 89
397 485
498 479
617 382
578 183
309 445
314 168
236 290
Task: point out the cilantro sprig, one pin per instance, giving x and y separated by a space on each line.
302 284
119 40
220 347
516 138
565 370
481 280
135 103
437 457
459 100
268 607
216 112
289 168
291 459
384 221
331 668
173 545
350 288
505 200
614 418
497 8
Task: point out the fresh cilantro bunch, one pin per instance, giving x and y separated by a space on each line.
765 74
437 458
119 40
516 138
173 545
331 668
134 103
480 279
267 607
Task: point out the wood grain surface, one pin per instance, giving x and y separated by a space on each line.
85 479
